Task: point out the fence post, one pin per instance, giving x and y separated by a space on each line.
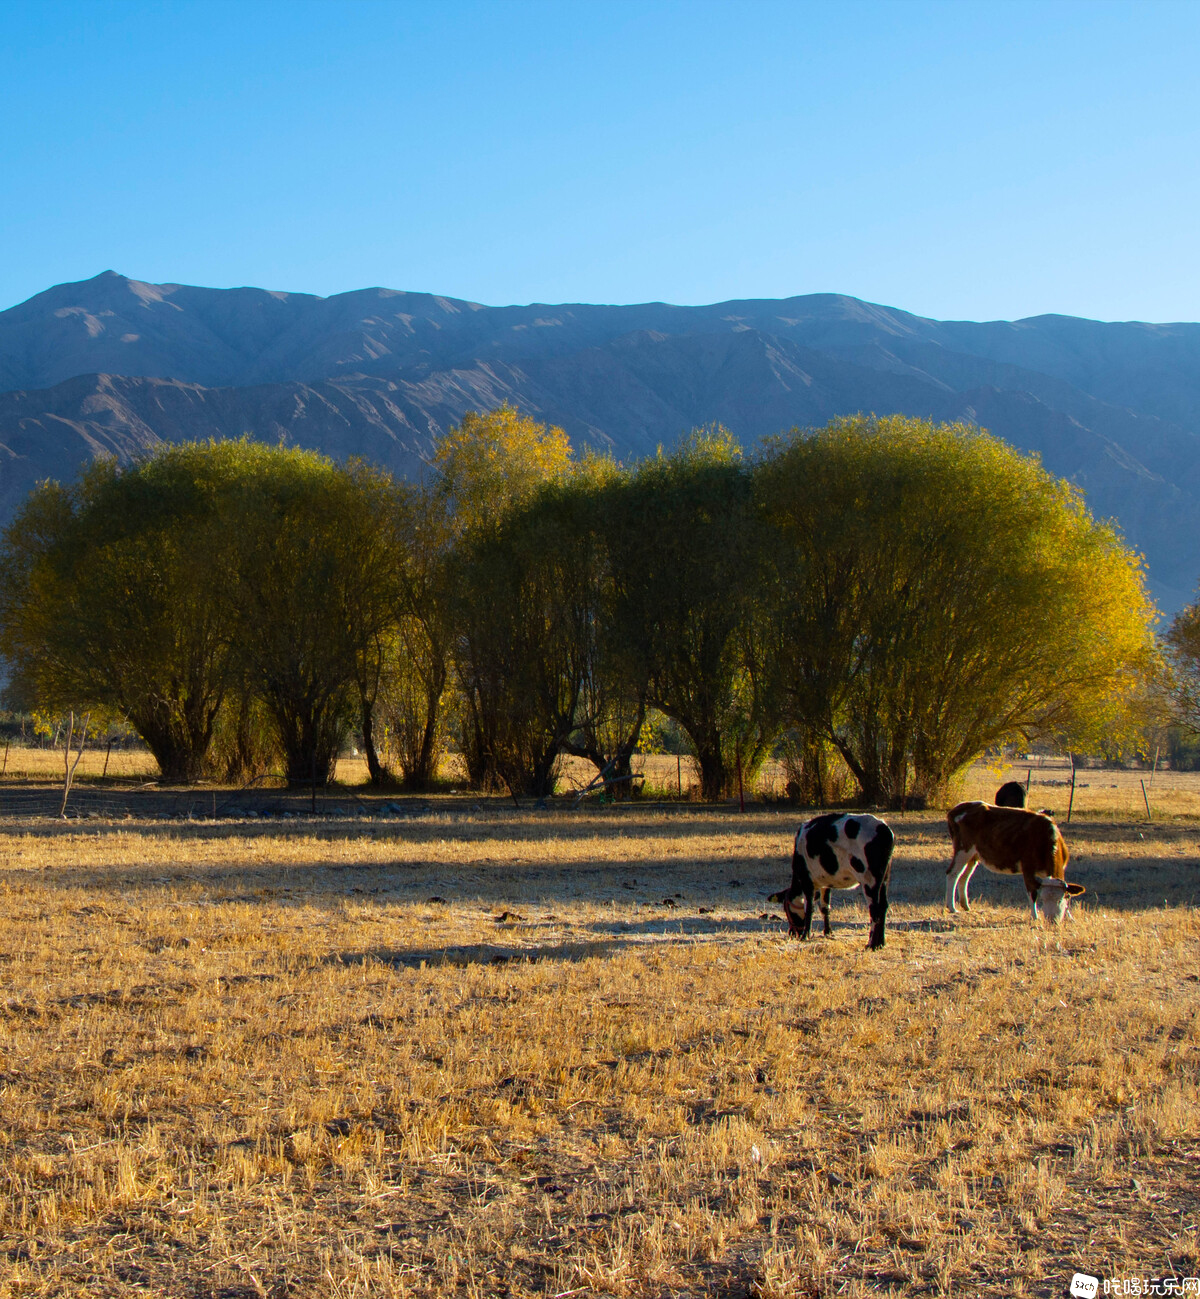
1146 800
1071 804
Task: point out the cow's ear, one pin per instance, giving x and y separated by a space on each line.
777 897
1075 890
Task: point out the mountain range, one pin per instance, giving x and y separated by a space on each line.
112 365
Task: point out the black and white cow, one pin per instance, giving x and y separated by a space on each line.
838 851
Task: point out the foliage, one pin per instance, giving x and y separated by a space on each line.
114 593
515 593
936 594
1182 682
526 602
245 744
316 596
492 462
417 673
889 597
685 551
815 773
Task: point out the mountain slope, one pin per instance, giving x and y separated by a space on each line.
112 365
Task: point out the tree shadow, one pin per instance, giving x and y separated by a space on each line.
1121 869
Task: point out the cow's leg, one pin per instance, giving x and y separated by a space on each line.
877 898
964 884
962 859
824 901
1033 886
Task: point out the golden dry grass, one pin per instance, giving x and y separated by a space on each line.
239 1062
34 764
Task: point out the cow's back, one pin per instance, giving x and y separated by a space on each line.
1006 836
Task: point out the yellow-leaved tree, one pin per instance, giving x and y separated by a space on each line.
935 593
487 470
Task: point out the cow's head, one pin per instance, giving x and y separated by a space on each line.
794 915
1055 897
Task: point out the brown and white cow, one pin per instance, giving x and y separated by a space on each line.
1009 841
838 851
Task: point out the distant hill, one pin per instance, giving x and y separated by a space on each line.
113 365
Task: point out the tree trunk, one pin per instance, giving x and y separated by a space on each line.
713 777
376 771
423 772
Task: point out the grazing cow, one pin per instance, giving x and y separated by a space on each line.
1011 794
838 851
1010 841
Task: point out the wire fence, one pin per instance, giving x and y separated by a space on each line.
21 801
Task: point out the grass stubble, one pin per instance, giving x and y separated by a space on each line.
239 1061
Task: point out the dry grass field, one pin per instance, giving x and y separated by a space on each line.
499 1052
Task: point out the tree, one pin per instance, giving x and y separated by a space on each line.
682 535
418 673
527 599
316 596
936 593
372 543
487 470
1181 645
493 461
114 593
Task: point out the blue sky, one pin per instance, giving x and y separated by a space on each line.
963 160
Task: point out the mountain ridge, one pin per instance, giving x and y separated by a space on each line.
112 365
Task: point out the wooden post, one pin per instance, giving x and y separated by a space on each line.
741 794
107 754
1146 800
1071 804
1028 777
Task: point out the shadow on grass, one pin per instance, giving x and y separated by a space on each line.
1124 867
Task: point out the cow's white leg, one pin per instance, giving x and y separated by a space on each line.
961 859
964 884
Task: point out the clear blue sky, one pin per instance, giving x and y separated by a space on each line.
960 160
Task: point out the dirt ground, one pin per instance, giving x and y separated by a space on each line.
500 1052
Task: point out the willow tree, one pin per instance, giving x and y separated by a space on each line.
417 674
682 622
315 583
486 469
527 598
935 593
115 592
